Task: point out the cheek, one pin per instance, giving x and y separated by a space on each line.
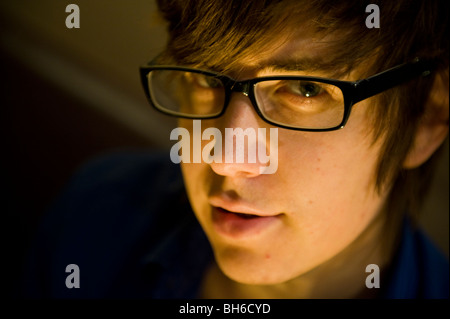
308 169
327 184
195 181
326 166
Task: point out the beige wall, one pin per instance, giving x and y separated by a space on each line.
99 61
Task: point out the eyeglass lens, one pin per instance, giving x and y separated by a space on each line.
290 102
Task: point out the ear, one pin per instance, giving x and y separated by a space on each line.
433 126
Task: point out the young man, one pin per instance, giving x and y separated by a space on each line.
334 219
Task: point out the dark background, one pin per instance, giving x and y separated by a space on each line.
68 95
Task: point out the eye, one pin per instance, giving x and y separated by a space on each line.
307 89
206 81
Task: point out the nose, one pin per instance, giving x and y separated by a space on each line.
243 139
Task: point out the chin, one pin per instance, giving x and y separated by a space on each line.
248 268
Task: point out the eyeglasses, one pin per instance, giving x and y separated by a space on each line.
303 103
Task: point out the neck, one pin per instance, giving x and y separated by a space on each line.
342 276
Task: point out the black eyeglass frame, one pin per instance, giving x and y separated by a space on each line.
353 91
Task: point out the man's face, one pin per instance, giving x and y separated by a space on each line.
319 200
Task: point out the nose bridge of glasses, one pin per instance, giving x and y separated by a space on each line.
241 87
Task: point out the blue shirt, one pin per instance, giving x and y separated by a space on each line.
125 221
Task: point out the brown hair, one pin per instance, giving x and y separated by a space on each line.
217 33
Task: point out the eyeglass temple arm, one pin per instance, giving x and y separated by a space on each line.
391 78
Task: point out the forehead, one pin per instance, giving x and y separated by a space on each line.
301 51
284 48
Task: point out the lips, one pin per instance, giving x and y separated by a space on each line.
245 216
239 207
234 219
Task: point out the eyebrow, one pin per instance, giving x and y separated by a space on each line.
292 64
305 64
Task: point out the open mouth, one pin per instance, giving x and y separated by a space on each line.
247 216
234 224
240 215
